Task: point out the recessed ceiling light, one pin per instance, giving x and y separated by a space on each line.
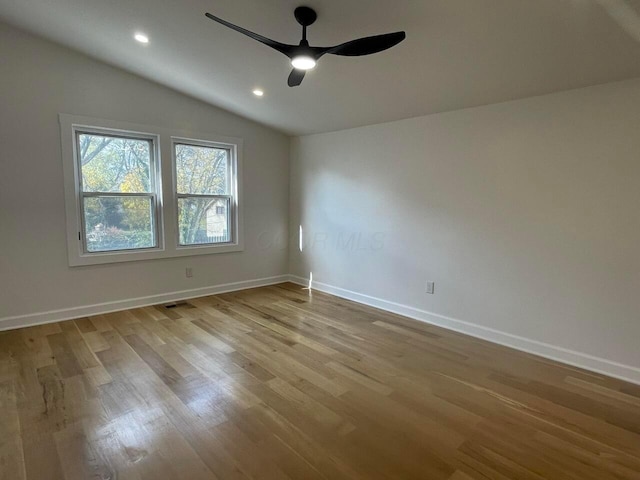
141 37
258 93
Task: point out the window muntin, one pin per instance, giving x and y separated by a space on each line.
117 192
205 193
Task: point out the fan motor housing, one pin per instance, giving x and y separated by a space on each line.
305 16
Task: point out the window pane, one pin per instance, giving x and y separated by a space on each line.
118 223
115 164
203 220
202 170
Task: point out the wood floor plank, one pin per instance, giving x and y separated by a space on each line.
286 383
11 453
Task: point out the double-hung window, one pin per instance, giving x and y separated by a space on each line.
205 192
117 191
138 192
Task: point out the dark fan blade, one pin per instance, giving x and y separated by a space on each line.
295 77
281 47
367 45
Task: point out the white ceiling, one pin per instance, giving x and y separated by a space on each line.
458 53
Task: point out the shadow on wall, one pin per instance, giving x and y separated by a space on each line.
624 15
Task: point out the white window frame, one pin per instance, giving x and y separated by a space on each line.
156 193
233 187
167 215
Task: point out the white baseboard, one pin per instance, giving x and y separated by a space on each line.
578 359
40 318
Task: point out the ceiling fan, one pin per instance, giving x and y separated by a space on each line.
304 57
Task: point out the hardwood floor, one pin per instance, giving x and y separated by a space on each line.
281 383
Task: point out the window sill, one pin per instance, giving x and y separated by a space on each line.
156 254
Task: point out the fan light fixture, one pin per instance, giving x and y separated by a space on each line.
303 62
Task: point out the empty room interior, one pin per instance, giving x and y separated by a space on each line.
322 240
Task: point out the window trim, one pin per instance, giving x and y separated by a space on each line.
167 227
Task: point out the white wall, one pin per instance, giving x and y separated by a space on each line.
526 214
40 80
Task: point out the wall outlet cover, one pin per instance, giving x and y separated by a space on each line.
431 287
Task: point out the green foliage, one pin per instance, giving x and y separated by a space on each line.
116 165
113 165
202 170
108 223
113 238
199 171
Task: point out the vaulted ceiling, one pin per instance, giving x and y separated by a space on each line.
458 53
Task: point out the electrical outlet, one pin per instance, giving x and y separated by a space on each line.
431 287
188 272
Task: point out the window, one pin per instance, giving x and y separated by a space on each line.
117 192
204 187
115 181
